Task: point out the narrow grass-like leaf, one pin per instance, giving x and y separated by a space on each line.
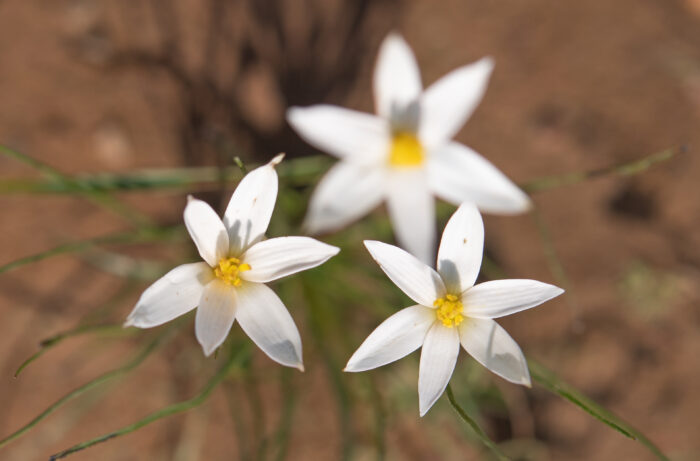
48 343
101 198
552 383
103 378
478 431
297 172
625 169
162 413
138 236
317 314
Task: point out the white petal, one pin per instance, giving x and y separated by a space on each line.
347 134
457 174
437 362
264 318
448 103
396 77
248 213
346 193
215 315
278 257
492 346
412 211
207 230
172 295
396 337
499 298
461 249
420 282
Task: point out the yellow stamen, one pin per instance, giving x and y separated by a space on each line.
449 310
228 269
406 150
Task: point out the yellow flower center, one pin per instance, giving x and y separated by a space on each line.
406 150
228 269
449 310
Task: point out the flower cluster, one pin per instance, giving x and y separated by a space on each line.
404 155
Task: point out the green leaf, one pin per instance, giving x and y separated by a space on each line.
552 383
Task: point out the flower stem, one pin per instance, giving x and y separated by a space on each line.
162 413
475 426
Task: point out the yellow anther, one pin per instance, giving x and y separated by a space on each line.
228 270
406 150
449 310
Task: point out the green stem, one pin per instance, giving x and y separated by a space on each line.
553 384
139 236
48 343
108 376
475 426
155 416
625 169
101 198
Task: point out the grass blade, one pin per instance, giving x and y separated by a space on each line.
105 377
485 439
139 236
553 384
162 413
48 343
625 169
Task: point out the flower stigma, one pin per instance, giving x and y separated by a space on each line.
228 270
449 310
406 150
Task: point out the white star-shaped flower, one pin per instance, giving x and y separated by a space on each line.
229 284
450 310
404 155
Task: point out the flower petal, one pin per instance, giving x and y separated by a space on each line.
461 249
207 230
448 103
411 208
396 337
264 318
397 81
492 346
345 193
457 174
172 295
347 134
248 213
498 298
437 362
278 257
215 315
420 282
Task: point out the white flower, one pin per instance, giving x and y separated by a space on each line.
405 153
229 284
450 310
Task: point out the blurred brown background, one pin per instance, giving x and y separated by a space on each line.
108 85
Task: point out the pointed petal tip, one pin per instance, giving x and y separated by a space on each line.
277 159
488 62
300 367
128 323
